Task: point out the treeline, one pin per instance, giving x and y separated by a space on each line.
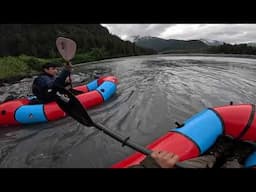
225 49
233 49
38 40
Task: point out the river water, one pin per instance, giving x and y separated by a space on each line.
153 92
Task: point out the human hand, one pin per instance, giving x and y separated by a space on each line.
68 66
165 159
68 80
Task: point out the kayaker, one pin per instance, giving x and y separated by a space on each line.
43 84
225 153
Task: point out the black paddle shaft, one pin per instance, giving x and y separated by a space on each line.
122 139
125 141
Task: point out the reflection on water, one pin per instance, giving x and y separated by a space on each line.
153 92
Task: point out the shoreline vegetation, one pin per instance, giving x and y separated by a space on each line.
15 68
212 55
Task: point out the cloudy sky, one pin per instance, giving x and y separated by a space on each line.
229 33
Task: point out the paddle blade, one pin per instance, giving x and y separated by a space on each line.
66 47
71 105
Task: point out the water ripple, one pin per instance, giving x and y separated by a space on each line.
153 92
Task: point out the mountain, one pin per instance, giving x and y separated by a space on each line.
39 40
163 45
195 46
212 42
252 44
155 43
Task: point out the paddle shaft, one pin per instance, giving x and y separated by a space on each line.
131 144
69 76
122 139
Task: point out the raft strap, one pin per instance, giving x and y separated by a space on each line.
178 124
3 112
125 141
249 123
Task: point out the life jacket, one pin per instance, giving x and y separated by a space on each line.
43 94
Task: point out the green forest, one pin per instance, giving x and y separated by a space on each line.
25 47
233 49
221 49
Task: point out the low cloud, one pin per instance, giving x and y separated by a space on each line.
229 33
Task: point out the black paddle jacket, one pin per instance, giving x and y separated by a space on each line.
43 84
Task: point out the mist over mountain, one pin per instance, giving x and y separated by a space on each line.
161 45
212 42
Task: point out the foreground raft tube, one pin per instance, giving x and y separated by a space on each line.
200 132
17 112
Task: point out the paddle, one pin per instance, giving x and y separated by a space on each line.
67 49
71 105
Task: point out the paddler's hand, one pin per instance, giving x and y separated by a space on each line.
68 66
67 81
165 159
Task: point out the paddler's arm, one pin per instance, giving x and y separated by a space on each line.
61 79
159 159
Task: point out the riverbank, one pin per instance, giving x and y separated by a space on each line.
13 69
211 55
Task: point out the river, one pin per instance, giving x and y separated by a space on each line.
153 93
